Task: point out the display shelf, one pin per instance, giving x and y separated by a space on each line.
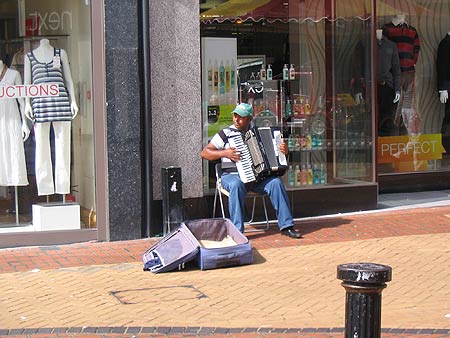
325 150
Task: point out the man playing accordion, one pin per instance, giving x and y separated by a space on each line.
219 148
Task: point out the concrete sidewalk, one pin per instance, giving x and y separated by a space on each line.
99 289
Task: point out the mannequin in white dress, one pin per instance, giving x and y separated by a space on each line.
13 133
51 112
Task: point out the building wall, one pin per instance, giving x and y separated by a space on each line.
176 92
176 104
123 119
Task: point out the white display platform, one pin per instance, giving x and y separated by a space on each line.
56 216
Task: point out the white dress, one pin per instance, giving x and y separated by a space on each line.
13 170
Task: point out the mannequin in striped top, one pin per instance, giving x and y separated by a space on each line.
47 64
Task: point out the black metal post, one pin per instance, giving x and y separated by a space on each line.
363 283
146 114
172 194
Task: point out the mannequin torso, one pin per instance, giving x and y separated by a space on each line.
47 56
407 40
45 52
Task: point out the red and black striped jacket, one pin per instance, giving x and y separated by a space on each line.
408 44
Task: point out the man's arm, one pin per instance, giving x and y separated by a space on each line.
211 153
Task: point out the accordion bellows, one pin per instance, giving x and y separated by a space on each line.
260 155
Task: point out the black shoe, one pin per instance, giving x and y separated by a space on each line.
290 232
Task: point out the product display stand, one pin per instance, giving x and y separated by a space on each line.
16 198
56 215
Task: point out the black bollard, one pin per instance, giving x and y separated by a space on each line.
363 283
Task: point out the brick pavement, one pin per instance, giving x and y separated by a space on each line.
99 289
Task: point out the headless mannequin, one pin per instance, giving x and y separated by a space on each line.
12 156
379 37
388 84
42 112
44 53
408 45
25 129
443 94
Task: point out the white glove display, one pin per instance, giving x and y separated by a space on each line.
397 97
443 96
358 98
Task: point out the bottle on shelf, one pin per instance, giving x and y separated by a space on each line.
216 77
323 174
288 108
232 75
291 176
292 72
233 81
302 107
263 72
319 141
303 142
298 175
210 78
252 76
308 140
269 72
298 143
227 77
285 72
304 175
296 107
291 142
313 141
258 75
307 107
221 78
310 174
316 174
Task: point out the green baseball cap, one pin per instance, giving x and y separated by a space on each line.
243 110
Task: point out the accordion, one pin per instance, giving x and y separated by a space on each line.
260 155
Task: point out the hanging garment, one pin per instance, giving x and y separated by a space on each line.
13 170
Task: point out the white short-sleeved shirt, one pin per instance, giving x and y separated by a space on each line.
220 144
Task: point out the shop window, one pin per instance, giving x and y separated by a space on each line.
414 131
46 116
305 66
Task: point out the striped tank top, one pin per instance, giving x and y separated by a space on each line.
53 108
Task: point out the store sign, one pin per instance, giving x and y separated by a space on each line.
38 90
254 88
410 148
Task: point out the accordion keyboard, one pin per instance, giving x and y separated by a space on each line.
244 166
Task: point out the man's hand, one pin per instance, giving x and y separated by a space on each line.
233 154
284 148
